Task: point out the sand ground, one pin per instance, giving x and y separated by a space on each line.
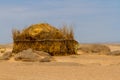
74 67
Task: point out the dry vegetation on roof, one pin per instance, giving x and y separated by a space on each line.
43 31
46 38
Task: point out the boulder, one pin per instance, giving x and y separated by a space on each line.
6 56
26 55
94 48
115 53
42 53
46 59
32 56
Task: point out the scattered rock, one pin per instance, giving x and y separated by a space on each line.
26 55
5 52
6 47
115 53
2 50
6 56
94 48
46 59
42 53
32 56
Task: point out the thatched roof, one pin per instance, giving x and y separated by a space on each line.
42 31
37 29
44 37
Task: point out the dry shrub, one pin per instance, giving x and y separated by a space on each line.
43 31
44 37
68 32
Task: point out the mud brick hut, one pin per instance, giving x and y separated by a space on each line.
44 37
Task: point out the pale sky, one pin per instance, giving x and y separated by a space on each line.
93 20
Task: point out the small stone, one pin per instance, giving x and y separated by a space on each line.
46 59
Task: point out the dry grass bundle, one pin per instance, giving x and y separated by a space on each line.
44 37
38 32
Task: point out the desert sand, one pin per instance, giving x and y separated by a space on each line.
73 67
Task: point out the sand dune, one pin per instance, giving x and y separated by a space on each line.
74 67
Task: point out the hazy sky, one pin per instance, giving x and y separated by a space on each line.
93 20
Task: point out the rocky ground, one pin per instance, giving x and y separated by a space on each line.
84 66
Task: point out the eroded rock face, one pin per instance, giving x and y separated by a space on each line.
30 55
